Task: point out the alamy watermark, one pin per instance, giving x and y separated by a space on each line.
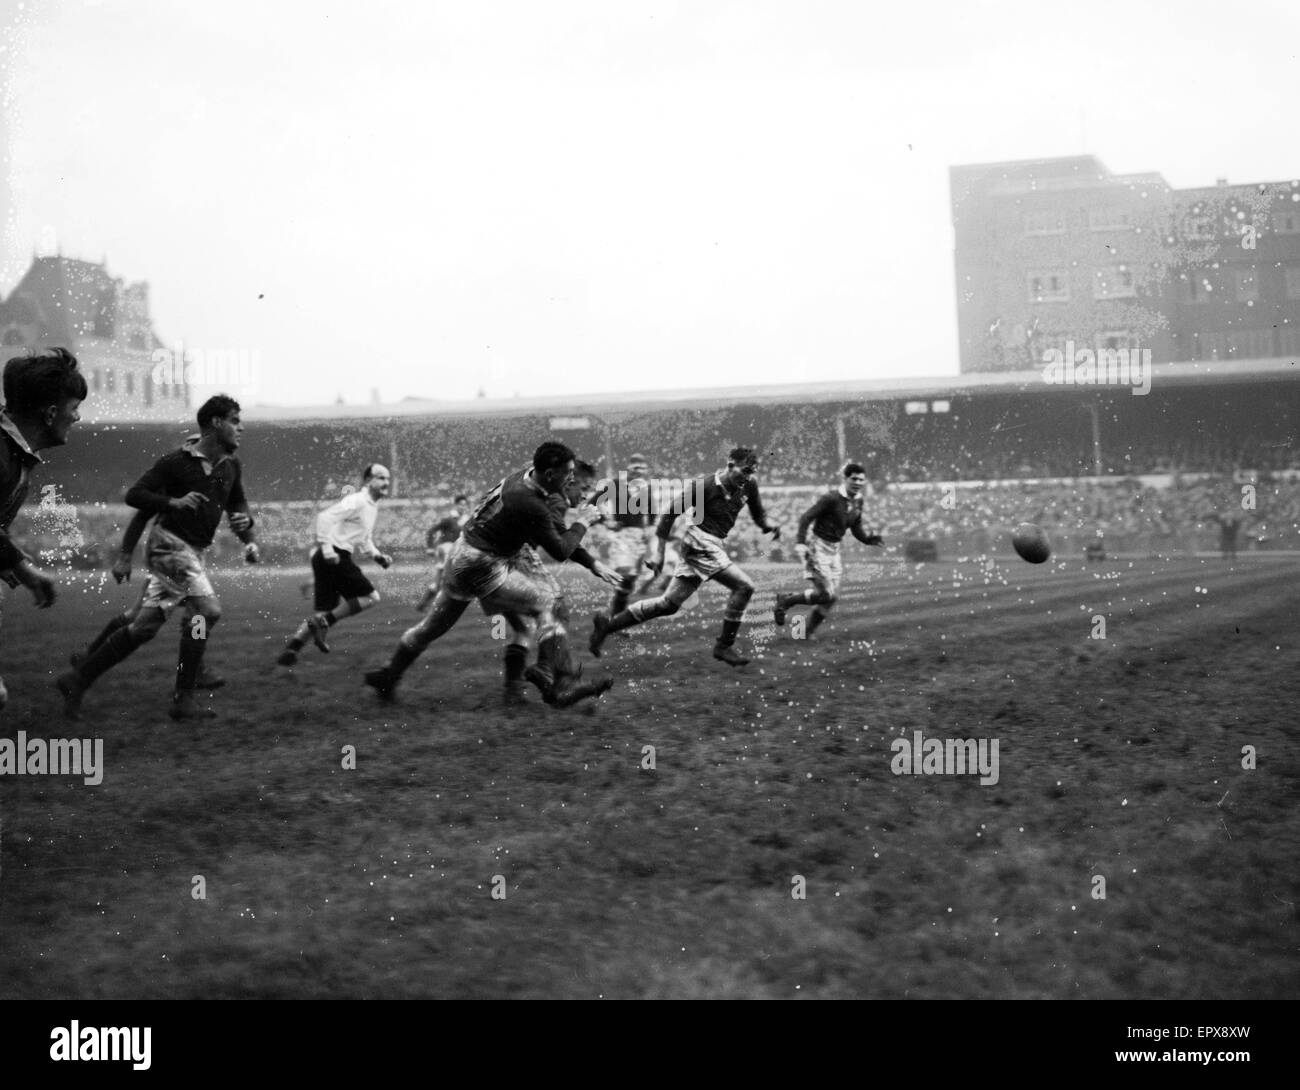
920 756
56 757
207 366
653 496
1104 367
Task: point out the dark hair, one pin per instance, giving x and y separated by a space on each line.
369 471
551 455
742 456
40 379
217 405
851 468
585 470
461 499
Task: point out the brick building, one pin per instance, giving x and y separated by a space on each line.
1052 251
105 322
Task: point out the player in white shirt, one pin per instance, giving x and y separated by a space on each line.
341 531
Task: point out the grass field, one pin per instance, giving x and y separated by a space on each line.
1119 757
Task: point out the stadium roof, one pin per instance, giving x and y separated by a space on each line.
1165 375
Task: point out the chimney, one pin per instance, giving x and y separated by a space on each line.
1220 182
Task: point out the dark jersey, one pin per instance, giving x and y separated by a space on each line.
443 532
16 461
559 511
183 471
717 506
633 505
516 513
831 517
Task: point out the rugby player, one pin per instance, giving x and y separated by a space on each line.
121 570
42 392
835 513
703 554
188 490
629 517
485 565
342 531
521 626
441 537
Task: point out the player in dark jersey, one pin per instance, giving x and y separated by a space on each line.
717 501
485 565
189 490
441 537
834 514
522 626
42 393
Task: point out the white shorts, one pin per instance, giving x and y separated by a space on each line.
627 547
823 565
175 572
702 556
520 583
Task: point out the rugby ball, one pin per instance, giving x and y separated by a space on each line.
1031 543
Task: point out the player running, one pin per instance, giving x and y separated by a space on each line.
188 490
42 393
717 501
629 518
527 560
342 531
485 565
836 512
442 535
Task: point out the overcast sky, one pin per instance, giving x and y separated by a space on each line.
525 197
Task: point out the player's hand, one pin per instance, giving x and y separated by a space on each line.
801 551
40 584
191 501
240 521
383 560
775 531
252 554
121 568
607 574
588 514
874 539
656 563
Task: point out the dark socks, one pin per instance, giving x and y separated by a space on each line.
729 630
815 619
189 662
516 660
402 658
117 622
111 651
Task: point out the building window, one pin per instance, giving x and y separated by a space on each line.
95 379
1044 223
1196 286
130 384
1200 228
1292 274
1286 223
136 341
110 379
148 390
1250 344
13 336
1049 286
1290 342
1109 219
1246 281
1113 282
1114 340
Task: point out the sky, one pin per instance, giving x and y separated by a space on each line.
436 199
